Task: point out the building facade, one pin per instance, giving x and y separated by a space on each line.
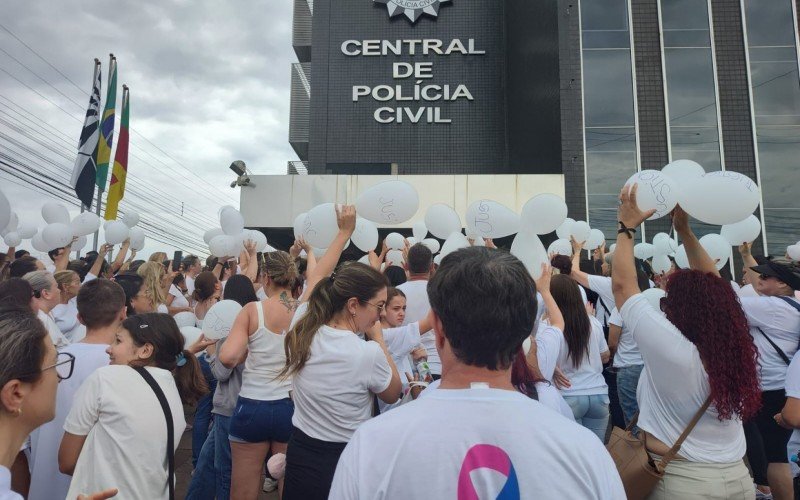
593 89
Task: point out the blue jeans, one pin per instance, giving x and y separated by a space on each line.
627 381
202 417
591 412
212 477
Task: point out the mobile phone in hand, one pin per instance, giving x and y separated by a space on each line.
177 260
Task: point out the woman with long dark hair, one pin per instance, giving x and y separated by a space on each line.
699 359
583 352
115 432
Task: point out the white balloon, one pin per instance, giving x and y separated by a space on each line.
320 227
365 236
364 259
560 247
438 259
793 251
26 231
490 219
38 243
223 246
231 221
432 244
580 230
721 198
681 259
80 243
130 219
106 223
211 233
395 241
85 223
190 335
390 202
683 172
318 252
643 251
260 240
544 213
116 232
664 245
298 225
654 296
454 242
717 247
13 223
53 212
528 248
419 230
612 248
596 239
394 258
744 231
656 191
136 234
57 235
5 210
12 239
442 221
411 241
565 229
661 264
185 318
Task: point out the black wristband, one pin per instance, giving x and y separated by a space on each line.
627 230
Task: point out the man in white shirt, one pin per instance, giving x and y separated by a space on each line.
484 307
419 266
774 319
46 295
101 308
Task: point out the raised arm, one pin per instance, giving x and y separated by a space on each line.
98 263
745 250
120 260
346 220
234 350
623 271
581 277
698 258
543 287
251 270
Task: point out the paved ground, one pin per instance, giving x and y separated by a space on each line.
183 466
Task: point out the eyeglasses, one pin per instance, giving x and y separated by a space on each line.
380 307
65 363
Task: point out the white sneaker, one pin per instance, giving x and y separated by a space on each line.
760 495
269 485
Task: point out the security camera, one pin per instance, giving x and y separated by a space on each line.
239 168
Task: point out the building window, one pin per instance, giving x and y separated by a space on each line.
772 51
608 107
691 88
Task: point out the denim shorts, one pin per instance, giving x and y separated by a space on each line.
256 421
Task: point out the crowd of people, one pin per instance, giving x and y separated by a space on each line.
343 380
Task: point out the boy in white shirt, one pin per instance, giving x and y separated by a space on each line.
484 307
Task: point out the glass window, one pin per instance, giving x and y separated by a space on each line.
684 15
772 51
608 89
604 15
690 85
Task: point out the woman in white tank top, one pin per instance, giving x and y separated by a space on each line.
262 419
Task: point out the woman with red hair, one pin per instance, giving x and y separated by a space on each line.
699 359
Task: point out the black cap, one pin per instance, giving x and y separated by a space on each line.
784 270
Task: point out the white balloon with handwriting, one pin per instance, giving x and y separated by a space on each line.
320 226
490 219
721 198
656 191
390 202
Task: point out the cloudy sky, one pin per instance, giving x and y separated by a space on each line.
209 84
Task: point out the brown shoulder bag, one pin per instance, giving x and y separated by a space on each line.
639 472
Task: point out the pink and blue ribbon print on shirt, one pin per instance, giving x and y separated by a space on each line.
490 457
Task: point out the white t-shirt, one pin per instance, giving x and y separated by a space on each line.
548 349
587 379
552 398
189 285
162 308
180 299
400 342
781 322
5 486
601 285
332 393
58 338
793 391
674 385
627 351
417 307
420 451
126 443
744 291
66 318
46 480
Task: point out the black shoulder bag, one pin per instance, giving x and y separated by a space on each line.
780 352
162 399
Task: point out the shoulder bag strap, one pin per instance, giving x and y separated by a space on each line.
790 302
780 352
605 308
667 458
162 399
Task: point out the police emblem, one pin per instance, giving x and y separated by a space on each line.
413 9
